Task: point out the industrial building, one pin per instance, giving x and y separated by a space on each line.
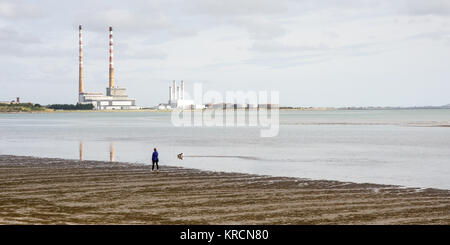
116 97
17 101
178 100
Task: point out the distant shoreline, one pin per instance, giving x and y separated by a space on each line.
281 109
87 111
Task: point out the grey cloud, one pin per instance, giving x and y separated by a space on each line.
227 8
21 50
141 52
277 47
260 28
331 34
257 17
291 61
144 25
9 35
278 55
408 7
430 7
436 35
20 10
362 49
126 20
263 19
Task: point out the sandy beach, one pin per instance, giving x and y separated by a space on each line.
58 191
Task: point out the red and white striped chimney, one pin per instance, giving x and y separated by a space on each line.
80 71
111 59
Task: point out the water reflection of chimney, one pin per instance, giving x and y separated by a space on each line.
112 151
81 151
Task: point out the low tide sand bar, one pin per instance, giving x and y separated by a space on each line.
58 191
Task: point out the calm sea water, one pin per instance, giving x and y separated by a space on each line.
402 147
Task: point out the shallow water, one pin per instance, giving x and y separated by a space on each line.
402 147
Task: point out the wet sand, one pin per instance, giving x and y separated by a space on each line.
58 191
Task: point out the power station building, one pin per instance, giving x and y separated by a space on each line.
176 96
178 100
116 97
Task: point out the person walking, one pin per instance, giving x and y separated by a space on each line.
155 159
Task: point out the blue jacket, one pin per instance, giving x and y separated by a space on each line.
155 156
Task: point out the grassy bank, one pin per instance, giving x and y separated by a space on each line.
23 107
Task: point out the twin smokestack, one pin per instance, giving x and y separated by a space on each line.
111 61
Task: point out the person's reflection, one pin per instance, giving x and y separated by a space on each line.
81 151
112 151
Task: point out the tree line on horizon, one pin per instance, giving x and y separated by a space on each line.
78 106
30 107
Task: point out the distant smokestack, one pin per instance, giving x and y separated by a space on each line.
182 90
170 94
80 71
178 92
111 57
175 90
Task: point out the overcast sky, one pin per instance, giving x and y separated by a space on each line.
315 53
